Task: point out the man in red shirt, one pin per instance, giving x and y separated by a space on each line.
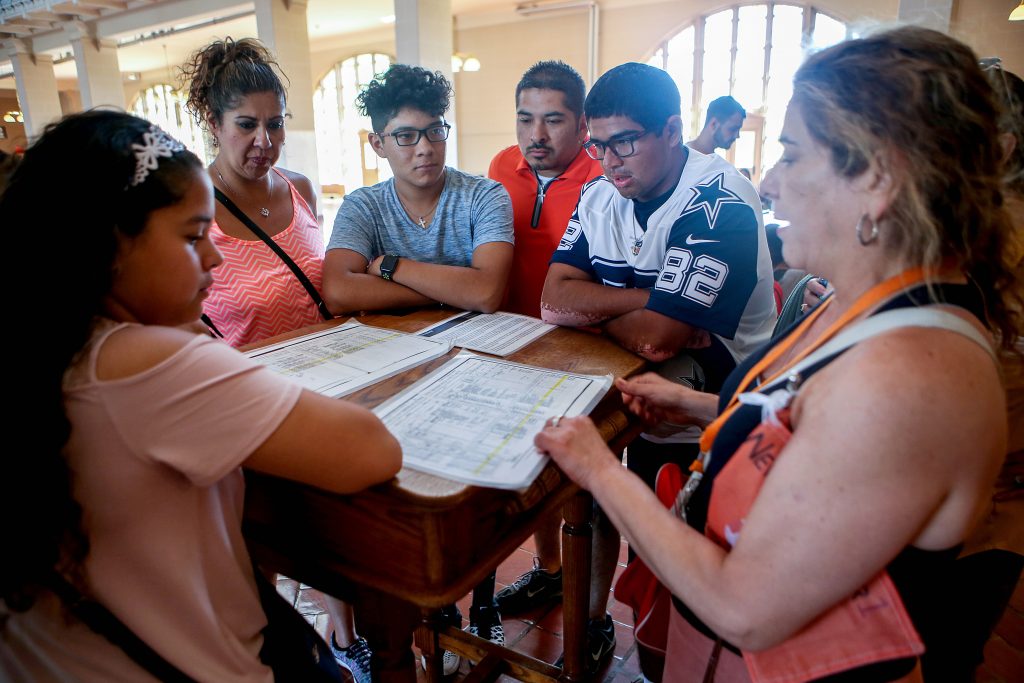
543 174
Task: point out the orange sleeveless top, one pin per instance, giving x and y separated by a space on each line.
254 294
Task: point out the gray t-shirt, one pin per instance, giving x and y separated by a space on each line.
471 211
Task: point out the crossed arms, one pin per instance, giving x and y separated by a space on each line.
351 283
571 298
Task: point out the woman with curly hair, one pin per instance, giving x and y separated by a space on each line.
235 92
846 462
124 557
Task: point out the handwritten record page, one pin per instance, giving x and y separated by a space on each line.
340 360
474 418
500 334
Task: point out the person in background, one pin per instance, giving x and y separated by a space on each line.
429 235
721 126
543 175
133 432
235 91
845 478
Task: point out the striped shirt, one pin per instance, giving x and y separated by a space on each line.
254 294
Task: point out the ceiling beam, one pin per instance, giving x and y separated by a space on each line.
15 29
29 22
109 4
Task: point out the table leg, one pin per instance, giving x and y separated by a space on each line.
426 641
576 551
388 623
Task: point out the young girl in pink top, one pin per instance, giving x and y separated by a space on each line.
131 433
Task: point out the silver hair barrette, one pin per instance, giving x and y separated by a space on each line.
155 144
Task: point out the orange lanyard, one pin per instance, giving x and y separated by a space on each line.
869 299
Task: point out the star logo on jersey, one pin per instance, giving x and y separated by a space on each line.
709 198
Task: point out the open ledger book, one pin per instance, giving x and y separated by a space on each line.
474 418
341 360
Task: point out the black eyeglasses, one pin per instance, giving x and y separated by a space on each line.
407 137
622 146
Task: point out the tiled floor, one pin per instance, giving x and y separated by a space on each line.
538 634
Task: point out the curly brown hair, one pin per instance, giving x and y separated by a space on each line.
404 86
222 73
916 100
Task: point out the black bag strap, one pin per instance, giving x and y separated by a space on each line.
105 623
248 222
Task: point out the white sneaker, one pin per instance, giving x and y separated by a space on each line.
449 663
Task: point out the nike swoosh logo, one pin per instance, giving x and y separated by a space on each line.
691 240
530 593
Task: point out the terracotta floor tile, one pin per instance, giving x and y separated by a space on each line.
529 546
620 612
623 639
310 601
515 630
322 624
630 666
540 644
288 588
550 618
517 564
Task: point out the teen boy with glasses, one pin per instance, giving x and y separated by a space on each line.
431 233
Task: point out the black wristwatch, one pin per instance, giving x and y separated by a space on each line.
388 265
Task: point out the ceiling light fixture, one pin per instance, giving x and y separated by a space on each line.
1018 13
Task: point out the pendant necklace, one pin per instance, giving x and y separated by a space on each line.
638 242
422 220
264 211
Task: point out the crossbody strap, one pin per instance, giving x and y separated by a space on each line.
925 316
248 222
105 623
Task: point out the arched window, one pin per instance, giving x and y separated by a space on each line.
750 52
163 105
346 160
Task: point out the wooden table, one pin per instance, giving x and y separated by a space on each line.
403 549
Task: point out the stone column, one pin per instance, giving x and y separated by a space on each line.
281 25
37 88
99 74
424 37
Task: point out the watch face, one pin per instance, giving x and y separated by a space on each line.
387 266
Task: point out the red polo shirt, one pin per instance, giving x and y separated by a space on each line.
534 245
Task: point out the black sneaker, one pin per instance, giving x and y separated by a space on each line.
533 589
599 646
485 622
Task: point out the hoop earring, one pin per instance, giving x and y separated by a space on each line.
872 237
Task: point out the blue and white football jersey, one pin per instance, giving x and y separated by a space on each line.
703 255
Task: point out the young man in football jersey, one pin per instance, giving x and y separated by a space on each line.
666 253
